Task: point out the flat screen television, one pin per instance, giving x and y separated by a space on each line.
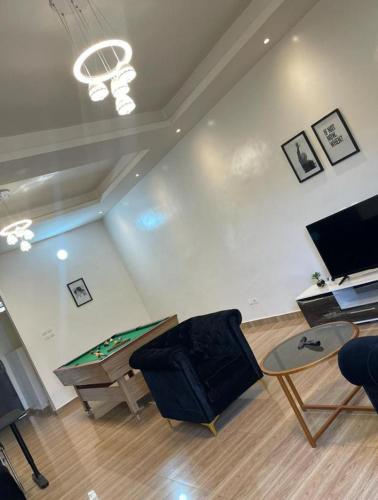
348 240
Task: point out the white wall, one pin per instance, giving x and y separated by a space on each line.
222 217
34 290
9 339
19 368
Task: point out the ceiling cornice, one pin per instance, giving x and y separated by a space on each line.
226 49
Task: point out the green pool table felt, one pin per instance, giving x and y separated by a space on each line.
128 336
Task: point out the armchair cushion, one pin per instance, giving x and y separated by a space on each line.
215 369
223 391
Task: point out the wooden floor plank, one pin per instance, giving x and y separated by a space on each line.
260 451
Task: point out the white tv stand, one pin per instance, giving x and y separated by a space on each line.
356 300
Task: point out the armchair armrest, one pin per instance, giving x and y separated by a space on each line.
161 358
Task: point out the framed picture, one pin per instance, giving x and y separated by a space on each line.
302 157
335 137
79 292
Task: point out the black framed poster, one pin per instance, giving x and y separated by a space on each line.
79 292
302 157
335 137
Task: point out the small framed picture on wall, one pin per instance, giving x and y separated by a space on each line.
79 292
335 137
302 157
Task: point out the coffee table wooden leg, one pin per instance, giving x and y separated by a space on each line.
295 392
343 405
297 412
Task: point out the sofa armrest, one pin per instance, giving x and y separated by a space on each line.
163 358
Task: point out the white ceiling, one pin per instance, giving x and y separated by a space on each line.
67 159
55 187
169 38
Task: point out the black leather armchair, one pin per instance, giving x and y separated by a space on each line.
195 370
358 362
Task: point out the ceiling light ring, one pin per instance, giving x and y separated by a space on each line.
10 229
103 77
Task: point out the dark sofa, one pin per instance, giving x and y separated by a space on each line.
9 489
358 362
195 370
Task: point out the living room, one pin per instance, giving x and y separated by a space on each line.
243 181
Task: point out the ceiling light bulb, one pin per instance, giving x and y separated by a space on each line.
28 235
125 72
124 105
178 130
119 87
98 91
266 41
12 239
25 246
62 254
19 231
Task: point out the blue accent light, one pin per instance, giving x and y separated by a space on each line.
151 220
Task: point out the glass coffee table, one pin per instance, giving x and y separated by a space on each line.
302 352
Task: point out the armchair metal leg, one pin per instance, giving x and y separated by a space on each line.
211 426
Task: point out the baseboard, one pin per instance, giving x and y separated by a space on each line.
41 413
294 315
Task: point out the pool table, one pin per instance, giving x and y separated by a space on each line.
103 373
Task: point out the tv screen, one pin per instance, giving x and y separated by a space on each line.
348 240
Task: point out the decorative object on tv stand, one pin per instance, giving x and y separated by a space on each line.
18 231
302 157
335 137
318 280
79 292
91 37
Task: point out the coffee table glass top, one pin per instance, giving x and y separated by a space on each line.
296 354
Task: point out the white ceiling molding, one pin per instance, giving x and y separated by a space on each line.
227 48
37 143
119 173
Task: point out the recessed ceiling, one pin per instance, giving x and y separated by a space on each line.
68 160
56 187
169 39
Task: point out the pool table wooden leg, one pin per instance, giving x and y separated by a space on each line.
130 400
85 404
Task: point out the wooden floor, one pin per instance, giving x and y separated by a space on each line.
259 453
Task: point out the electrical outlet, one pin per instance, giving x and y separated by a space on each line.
252 301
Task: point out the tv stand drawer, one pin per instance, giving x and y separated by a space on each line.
320 310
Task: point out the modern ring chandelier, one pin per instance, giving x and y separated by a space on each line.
16 232
99 60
